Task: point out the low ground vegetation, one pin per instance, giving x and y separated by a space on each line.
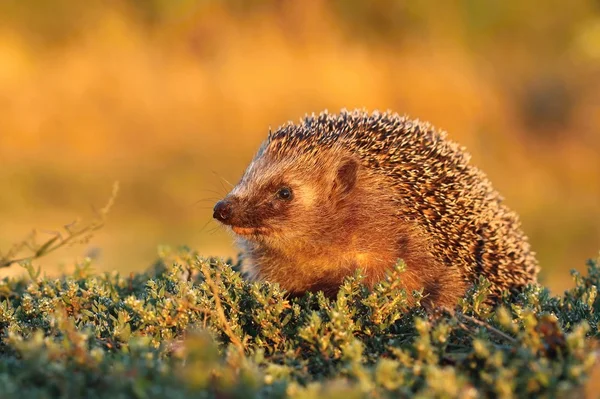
192 327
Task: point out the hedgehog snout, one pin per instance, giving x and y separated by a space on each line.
222 211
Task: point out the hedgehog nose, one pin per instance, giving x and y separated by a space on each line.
222 211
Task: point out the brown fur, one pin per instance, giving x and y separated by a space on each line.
368 190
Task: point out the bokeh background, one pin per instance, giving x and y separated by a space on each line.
172 99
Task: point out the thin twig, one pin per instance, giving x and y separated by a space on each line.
219 308
58 241
489 327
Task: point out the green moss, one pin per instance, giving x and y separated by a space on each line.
192 327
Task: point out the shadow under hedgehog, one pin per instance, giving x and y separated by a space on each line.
356 190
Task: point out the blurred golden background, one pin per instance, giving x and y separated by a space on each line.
172 99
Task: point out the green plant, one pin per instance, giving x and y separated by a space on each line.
192 327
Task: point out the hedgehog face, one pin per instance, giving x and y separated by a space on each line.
285 200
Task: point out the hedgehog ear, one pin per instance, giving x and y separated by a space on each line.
345 178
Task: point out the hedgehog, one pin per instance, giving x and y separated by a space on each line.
357 190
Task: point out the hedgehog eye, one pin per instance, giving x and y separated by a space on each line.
284 193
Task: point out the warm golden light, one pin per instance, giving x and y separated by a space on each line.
172 99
